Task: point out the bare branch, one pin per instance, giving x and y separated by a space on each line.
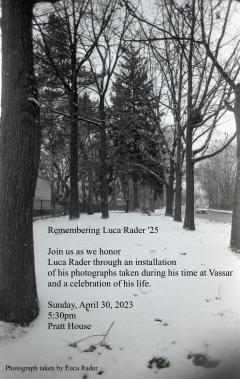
210 155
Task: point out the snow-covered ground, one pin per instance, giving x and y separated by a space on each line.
178 328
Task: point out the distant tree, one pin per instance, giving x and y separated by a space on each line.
217 177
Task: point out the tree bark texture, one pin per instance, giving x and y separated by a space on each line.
178 190
103 160
135 194
170 190
90 190
235 232
125 189
189 211
20 149
74 199
189 223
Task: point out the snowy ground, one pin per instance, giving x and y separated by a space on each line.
190 324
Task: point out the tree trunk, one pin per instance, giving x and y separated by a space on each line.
114 205
20 147
125 189
135 194
189 212
144 203
152 196
169 200
235 232
74 200
126 205
103 160
170 190
90 190
84 206
178 190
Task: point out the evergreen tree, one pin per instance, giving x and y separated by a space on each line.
137 151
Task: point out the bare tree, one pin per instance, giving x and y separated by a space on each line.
170 56
103 65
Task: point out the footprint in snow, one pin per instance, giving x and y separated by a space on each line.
159 320
158 363
90 349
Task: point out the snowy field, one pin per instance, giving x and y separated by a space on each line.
178 328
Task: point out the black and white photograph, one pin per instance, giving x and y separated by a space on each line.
120 189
